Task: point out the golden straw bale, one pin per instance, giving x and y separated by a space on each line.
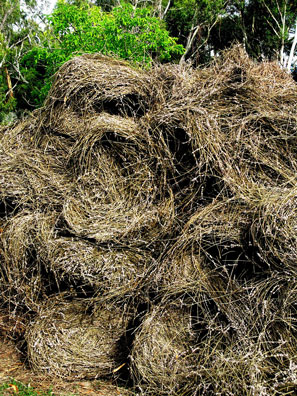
237 121
115 273
94 83
31 179
180 272
120 137
109 203
21 134
72 340
274 227
22 274
163 359
249 134
218 231
212 256
201 355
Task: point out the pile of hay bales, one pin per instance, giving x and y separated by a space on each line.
148 226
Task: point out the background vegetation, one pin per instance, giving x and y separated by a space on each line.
33 45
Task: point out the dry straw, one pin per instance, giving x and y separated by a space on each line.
162 355
93 83
72 339
108 273
274 227
24 279
176 187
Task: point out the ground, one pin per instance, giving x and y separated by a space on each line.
11 366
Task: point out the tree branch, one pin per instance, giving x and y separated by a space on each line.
292 51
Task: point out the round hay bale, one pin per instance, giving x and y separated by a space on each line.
211 257
163 357
20 135
94 83
92 106
31 179
118 203
23 280
73 340
250 127
274 227
218 232
119 190
111 273
235 122
13 188
175 353
180 273
238 368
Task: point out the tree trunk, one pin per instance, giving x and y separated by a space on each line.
10 91
193 33
290 60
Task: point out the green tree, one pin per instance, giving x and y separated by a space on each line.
128 32
107 5
18 32
192 22
125 32
263 26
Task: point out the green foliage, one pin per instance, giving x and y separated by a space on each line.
36 67
6 105
18 34
271 21
186 15
16 387
180 18
126 32
262 25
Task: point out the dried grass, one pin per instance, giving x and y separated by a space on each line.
91 83
23 277
162 355
274 227
108 273
73 340
174 187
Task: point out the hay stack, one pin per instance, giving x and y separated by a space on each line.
177 186
249 135
74 340
235 122
113 158
219 232
179 272
118 202
30 179
274 227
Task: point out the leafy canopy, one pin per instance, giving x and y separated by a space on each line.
128 32
125 32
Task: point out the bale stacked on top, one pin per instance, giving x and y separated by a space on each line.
176 188
119 189
115 273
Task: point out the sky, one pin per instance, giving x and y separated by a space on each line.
49 6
